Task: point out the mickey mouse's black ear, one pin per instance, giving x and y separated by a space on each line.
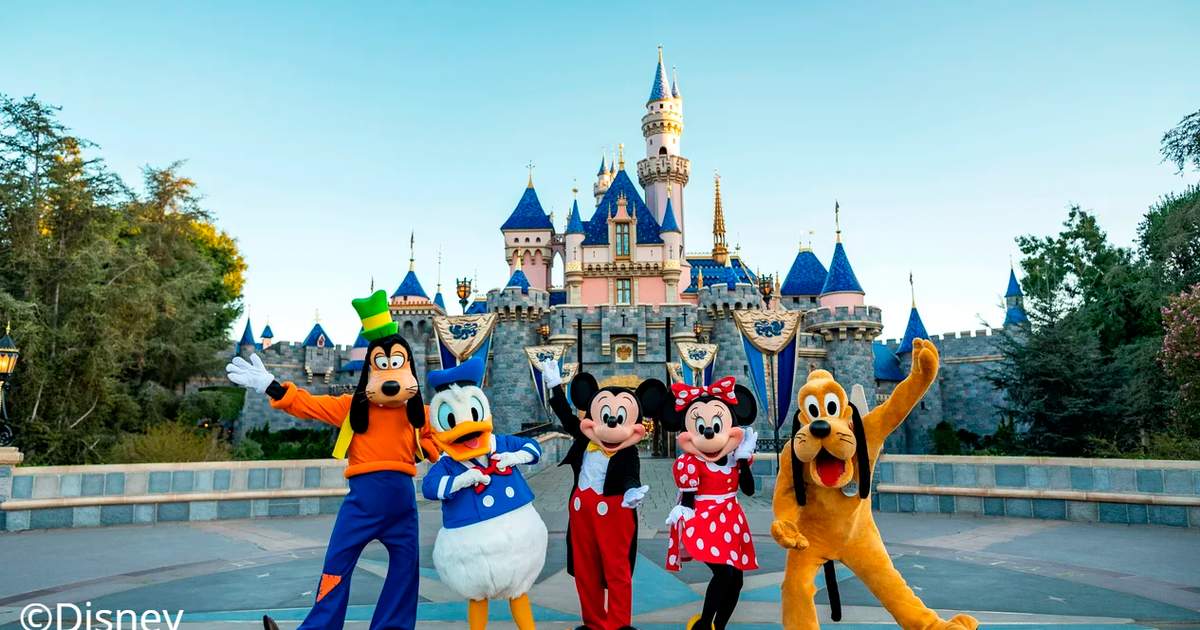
746 408
654 397
583 389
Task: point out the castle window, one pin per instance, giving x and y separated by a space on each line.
622 244
624 291
662 150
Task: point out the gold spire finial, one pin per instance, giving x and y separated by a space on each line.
530 167
621 156
837 219
720 251
412 251
700 279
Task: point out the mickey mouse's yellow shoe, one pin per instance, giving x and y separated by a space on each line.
691 624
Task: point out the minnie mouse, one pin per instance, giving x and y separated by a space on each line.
708 524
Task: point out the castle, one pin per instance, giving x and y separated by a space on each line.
632 291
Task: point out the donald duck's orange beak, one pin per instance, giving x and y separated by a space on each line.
466 440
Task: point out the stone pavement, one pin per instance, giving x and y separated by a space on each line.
1006 571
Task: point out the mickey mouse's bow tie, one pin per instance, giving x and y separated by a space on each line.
721 389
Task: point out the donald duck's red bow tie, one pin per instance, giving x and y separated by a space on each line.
489 470
685 394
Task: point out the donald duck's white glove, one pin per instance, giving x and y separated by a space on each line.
250 374
507 460
633 497
678 513
468 479
551 374
745 450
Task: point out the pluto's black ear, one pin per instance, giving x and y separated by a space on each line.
653 397
746 408
863 458
583 389
797 470
360 407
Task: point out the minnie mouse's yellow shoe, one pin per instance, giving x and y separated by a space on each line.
691 624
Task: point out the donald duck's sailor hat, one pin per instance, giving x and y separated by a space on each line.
469 372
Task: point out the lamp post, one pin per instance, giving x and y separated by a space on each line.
766 288
463 289
8 363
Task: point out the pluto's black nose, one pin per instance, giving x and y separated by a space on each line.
819 428
390 388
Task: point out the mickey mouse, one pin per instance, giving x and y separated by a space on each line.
708 524
602 518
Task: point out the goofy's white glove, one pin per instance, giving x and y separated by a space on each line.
551 374
504 461
468 479
679 513
745 450
633 497
250 374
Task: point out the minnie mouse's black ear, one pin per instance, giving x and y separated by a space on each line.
583 390
746 408
653 397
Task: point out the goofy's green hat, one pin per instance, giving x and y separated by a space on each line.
376 320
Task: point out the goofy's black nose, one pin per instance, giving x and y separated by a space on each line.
819 428
390 388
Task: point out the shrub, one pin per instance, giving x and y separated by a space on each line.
169 442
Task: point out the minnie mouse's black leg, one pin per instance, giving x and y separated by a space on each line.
717 596
732 593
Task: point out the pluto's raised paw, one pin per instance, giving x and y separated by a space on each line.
788 536
960 622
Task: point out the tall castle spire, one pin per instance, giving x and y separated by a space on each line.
720 251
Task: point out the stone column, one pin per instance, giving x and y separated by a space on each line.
10 457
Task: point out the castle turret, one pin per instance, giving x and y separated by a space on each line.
529 238
573 255
720 251
247 339
841 287
267 337
1014 302
672 253
804 282
662 127
603 179
913 437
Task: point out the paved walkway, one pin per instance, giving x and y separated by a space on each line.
1006 571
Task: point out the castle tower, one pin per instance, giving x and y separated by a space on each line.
247 340
662 127
841 287
573 255
603 179
529 238
1014 302
914 433
802 287
720 251
672 252
267 336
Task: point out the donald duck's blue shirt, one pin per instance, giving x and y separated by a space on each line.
505 493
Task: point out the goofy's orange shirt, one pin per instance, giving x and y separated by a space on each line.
389 442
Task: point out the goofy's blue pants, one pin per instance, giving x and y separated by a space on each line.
380 506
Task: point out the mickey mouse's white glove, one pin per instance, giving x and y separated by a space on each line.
250 374
633 497
469 478
507 460
678 513
551 374
745 450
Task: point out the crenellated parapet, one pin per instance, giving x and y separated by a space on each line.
719 300
675 169
833 323
517 304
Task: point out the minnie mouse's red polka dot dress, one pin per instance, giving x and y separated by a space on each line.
719 532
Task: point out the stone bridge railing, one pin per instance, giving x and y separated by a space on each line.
90 496
1126 491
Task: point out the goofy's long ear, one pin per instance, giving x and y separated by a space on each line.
415 406
583 389
797 465
360 407
746 408
653 397
862 457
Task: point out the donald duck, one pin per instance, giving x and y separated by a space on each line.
492 544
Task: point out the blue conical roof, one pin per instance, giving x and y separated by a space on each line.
317 332
267 333
528 215
518 280
806 277
596 228
1014 287
914 330
247 335
437 299
674 84
603 167
361 341
841 274
661 88
887 364
410 287
1015 315
668 223
574 222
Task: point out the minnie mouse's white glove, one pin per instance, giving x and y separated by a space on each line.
551 374
250 374
507 460
745 450
678 513
633 497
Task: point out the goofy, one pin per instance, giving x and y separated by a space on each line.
381 430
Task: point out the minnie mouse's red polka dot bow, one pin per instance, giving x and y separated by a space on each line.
685 394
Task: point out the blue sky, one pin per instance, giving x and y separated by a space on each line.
320 135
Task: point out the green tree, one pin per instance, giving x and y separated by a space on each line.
1181 145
